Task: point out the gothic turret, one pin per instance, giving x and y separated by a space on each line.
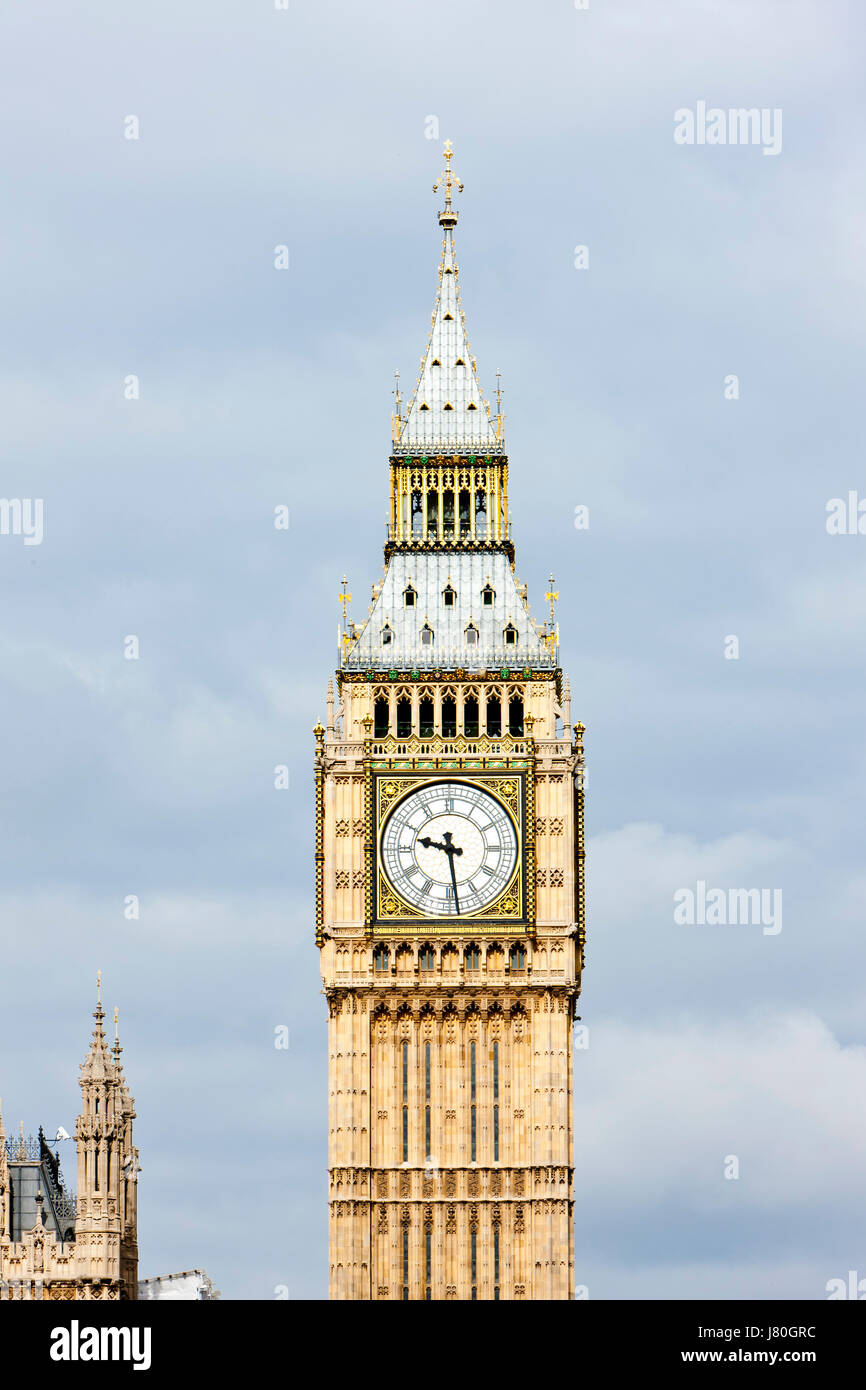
107 1166
52 1243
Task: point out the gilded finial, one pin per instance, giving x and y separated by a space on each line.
448 180
345 598
552 595
397 421
98 1013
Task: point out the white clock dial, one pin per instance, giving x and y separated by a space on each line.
449 848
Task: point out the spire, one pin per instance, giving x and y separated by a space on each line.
126 1101
447 410
98 1064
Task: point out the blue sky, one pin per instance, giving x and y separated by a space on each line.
308 127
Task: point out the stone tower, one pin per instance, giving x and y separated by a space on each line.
449 877
53 1245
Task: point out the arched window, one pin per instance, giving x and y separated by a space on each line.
488 594
494 716
515 717
380 958
480 510
404 717
470 717
449 596
409 596
426 635
432 511
426 958
518 957
465 522
425 717
448 510
472 635
510 635
381 718
449 716
472 958
387 636
417 514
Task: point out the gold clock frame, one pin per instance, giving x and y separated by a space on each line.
510 910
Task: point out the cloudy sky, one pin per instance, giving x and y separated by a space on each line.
308 127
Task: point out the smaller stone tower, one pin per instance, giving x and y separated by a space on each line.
53 1245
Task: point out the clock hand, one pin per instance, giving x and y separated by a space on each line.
434 844
450 850
454 879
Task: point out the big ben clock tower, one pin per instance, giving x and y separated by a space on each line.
449 878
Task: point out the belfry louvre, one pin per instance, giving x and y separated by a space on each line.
450 877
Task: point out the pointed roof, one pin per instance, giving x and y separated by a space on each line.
123 1084
98 1065
447 410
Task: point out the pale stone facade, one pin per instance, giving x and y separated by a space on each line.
450 1031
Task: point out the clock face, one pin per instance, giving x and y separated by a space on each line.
449 848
